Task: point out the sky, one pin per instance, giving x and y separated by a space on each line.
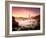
25 11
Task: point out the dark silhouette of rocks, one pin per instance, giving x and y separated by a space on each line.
14 24
38 20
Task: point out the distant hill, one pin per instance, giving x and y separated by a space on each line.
21 18
36 17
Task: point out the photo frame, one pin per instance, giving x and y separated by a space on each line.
21 11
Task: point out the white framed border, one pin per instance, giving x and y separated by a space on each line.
25 32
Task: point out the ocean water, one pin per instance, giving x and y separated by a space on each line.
27 23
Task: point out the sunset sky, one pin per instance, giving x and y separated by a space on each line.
25 11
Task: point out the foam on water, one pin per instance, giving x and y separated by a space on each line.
25 22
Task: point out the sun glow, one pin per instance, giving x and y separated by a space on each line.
25 12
